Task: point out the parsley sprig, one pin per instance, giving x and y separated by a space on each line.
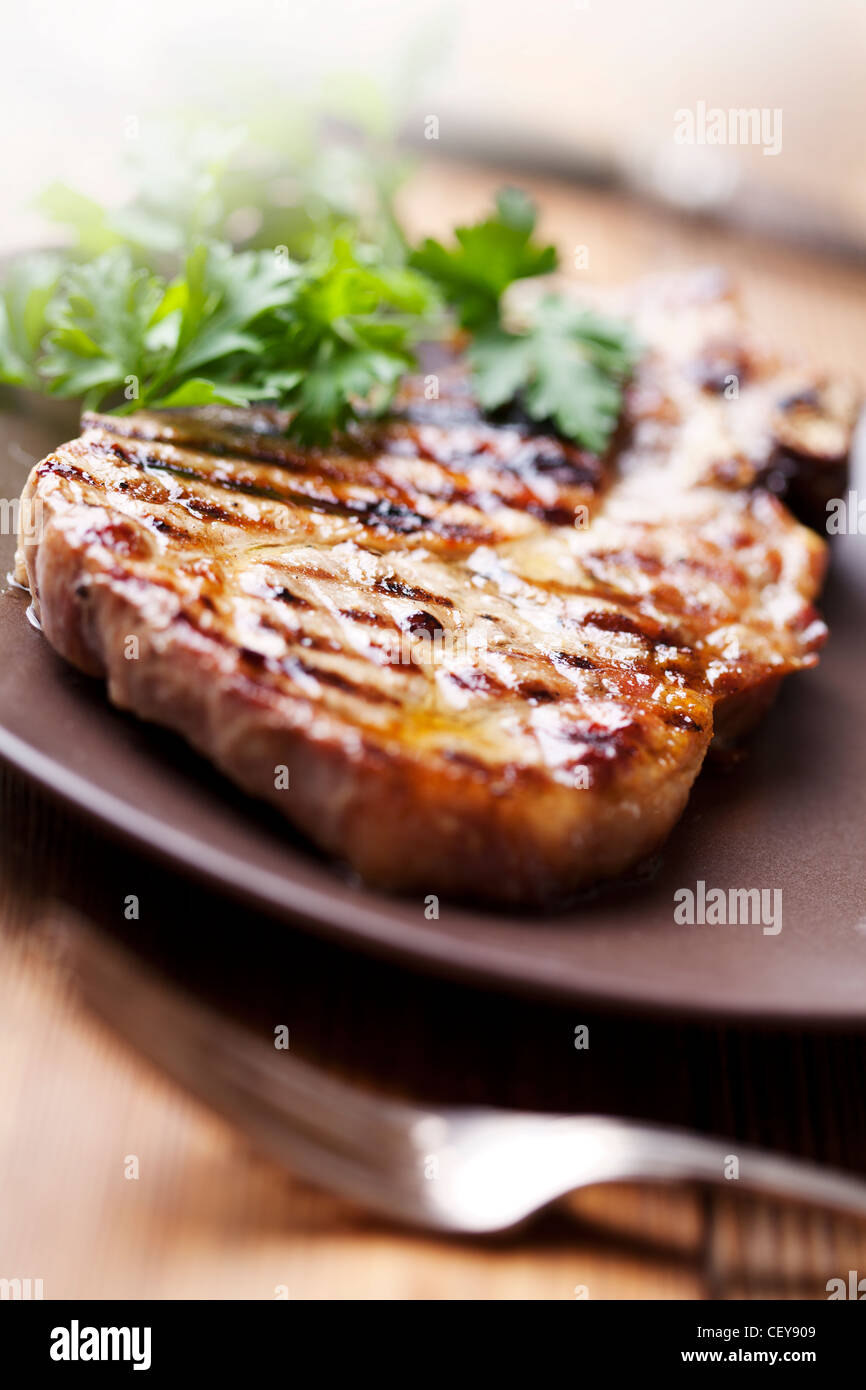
569 367
118 329
488 257
152 306
237 327
30 286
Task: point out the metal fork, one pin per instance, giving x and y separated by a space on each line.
452 1169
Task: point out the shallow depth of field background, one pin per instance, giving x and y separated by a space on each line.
601 76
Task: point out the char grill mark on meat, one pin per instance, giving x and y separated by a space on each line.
475 691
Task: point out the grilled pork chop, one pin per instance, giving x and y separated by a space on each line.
462 655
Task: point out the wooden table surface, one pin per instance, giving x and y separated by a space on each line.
207 1217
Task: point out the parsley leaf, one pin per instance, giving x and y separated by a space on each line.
569 368
118 330
275 184
349 334
24 299
488 257
152 307
99 328
91 222
218 298
237 327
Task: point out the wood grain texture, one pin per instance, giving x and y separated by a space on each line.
208 1219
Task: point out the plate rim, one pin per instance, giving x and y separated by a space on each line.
426 951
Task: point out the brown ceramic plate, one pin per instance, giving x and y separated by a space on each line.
790 816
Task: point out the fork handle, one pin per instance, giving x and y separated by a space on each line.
638 1152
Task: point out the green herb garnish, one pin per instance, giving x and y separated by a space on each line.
29 288
318 310
488 257
120 330
568 367
237 327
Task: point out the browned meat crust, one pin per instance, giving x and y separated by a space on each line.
491 663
